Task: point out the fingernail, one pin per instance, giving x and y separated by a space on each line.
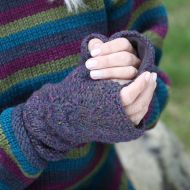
96 74
91 63
154 76
95 52
147 76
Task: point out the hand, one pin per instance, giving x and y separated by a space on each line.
137 96
114 60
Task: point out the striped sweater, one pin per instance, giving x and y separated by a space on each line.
39 44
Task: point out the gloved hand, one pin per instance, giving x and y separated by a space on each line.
79 110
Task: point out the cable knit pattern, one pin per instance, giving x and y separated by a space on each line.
79 110
39 52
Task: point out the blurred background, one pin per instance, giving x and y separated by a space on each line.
176 63
163 154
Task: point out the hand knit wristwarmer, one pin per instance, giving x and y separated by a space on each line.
77 110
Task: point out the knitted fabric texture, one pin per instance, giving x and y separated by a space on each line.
40 44
79 110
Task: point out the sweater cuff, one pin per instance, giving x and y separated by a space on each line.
13 146
23 139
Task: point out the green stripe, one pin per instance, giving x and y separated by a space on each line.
77 153
156 40
97 167
4 144
144 7
44 17
124 181
38 70
118 3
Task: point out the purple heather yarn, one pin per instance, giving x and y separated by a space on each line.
77 110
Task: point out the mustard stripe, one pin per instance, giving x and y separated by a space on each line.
38 70
144 7
4 144
44 17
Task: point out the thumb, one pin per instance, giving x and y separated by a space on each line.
132 91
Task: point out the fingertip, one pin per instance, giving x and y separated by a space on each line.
147 76
154 77
94 44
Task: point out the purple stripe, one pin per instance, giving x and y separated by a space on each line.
29 9
160 29
11 166
46 42
165 78
40 58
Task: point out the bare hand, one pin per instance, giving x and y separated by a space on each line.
114 60
137 96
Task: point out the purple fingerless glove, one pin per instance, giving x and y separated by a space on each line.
79 110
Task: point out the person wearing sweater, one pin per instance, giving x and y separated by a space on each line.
73 83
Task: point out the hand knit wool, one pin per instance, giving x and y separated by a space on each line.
40 43
79 110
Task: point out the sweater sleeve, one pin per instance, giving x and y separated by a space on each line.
57 118
17 169
148 17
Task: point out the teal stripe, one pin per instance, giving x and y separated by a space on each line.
157 14
51 28
5 121
162 94
4 186
121 10
28 86
81 162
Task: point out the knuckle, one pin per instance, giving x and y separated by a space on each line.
108 47
125 43
129 98
109 59
132 71
141 106
126 96
131 58
124 55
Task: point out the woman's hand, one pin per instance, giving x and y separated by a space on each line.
137 96
114 60
117 60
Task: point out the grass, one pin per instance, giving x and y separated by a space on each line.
176 63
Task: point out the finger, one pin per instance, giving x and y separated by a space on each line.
130 93
121 82
126 73
94 43
118 59
113 46
143 100
136 118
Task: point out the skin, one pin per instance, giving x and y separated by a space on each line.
116 60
